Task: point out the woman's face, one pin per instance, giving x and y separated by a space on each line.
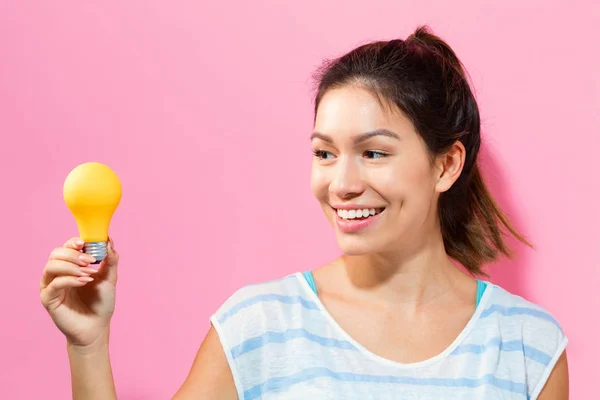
371 173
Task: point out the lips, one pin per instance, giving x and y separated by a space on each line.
348 221
351 214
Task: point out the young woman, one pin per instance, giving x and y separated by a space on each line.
396 138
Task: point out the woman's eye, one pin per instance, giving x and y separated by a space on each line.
322 154
374 154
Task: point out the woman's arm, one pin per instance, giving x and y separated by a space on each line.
210 376
557 386
91 373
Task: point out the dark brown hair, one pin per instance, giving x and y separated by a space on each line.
423 77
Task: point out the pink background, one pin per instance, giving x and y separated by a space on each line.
204 111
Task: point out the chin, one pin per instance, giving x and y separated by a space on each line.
357 245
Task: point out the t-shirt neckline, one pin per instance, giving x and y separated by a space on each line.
307 290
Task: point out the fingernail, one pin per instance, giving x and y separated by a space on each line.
79 242
85 279
87 258
95 267
88 270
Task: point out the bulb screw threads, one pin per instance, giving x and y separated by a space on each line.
96 250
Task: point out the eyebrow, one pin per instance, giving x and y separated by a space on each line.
358 138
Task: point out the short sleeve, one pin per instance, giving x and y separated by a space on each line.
544 341
226 323
239 319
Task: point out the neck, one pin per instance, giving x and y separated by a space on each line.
424 276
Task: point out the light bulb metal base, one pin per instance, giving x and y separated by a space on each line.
96 250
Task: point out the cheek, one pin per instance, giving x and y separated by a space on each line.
408 181
318 183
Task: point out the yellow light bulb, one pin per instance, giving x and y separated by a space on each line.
92 191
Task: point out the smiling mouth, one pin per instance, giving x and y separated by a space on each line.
358 214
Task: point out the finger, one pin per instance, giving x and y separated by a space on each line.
108 266
65 261
54 290
56 268
71 255
74 243
112 257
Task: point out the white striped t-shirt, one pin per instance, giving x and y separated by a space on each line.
281 343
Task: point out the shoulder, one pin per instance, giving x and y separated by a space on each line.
250 299
253 316
533 321
258 309
530 328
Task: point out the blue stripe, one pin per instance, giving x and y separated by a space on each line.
537 355
513 345
511 311
282 337
283 383
267 297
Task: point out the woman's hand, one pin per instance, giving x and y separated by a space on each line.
80 296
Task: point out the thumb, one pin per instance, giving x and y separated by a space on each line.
112 257
108 266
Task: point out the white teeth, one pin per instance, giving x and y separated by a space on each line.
352 214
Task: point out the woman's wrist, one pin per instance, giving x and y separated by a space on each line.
97 346
91 372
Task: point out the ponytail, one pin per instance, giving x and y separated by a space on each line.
473 225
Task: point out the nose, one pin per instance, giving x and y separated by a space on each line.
347 181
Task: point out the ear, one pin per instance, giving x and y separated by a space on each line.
448 166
